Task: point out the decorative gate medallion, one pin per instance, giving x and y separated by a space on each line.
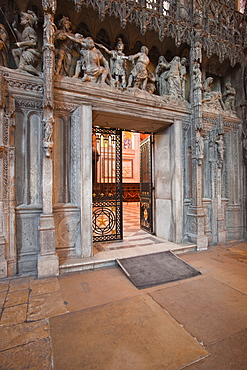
107 184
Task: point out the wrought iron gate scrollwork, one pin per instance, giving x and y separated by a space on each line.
107 184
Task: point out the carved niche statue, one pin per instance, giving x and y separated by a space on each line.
27 56
139 74
211 99
183 73
94 65
229 97
117 63
199 146
197 76
173 78
4 45
220 150
63 46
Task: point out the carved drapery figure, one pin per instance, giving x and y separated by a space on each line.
197 76
117 63
27 55
161 72
220 150
199 147
95 66
183 73
4 45
173 78
139 74
229 97
80 67
63 46
212 99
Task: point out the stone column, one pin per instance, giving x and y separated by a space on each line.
48 264
196 216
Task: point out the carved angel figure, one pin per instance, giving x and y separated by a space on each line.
63 47
4 45
229 97
27 56
117 63
139 74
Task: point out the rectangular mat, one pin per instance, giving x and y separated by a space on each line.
155 269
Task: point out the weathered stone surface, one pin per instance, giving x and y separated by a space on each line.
42 286
17 298
36 355
46 305
16 335
16 314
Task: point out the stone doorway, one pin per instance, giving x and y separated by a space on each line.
126 216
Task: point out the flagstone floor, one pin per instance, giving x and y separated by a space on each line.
97 319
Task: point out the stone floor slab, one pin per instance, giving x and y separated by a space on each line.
46 305
16 298
44 287
229 354
14 315
133 333
94 288
17 335
34 355
208 309
4 286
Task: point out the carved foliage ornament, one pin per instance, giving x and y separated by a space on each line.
221 28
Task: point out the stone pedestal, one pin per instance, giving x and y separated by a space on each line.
48 263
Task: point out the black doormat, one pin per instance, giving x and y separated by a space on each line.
155 269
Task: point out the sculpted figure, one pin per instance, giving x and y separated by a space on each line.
139 74
27 55
63 47
197 76
199 147
173 78
80 65
183 78
220 148
4 45
117 63
161 72
95 66
229 97
211 98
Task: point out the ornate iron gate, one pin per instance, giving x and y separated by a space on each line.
146 185
107 184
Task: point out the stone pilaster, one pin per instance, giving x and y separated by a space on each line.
196 232
81 173
48 263
177 181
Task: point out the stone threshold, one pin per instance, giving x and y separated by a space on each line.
108 258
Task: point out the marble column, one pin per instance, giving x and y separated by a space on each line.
48 264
